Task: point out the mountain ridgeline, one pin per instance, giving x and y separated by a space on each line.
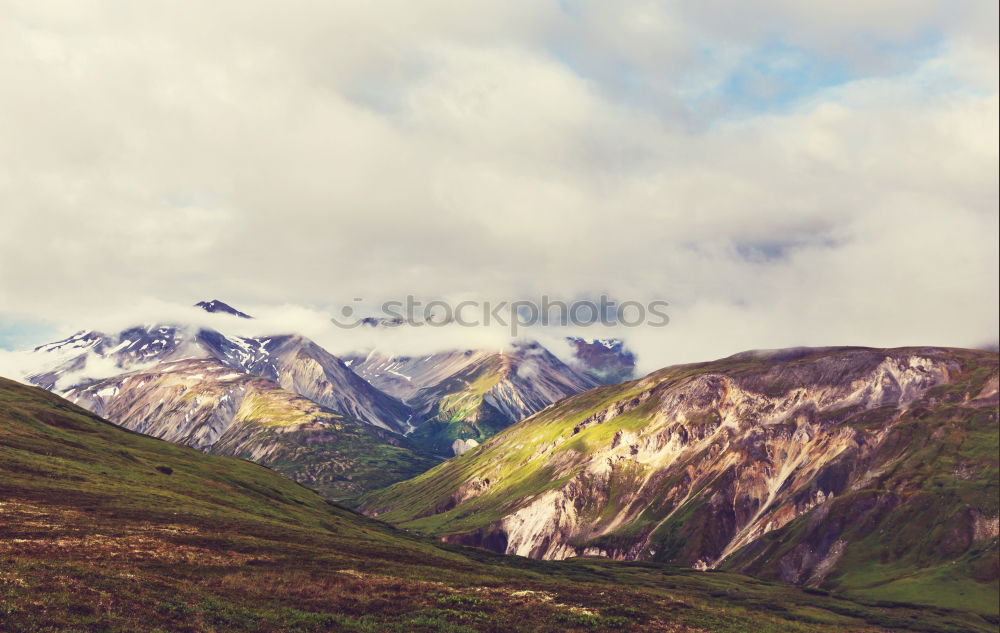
464 398
106 530
343 427
861 470
293 362
871 473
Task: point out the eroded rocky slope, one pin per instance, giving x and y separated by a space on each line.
863 469
210 406
294 362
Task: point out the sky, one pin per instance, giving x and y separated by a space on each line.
782 173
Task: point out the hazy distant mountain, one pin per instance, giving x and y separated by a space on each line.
404 376
448 402
606 360
294 362
463 398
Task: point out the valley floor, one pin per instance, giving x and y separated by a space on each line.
65 568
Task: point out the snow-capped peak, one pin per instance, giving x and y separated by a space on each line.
219 306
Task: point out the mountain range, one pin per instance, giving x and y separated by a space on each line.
343 426
871 473
291 361
106 530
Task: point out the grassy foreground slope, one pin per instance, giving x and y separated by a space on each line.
102 529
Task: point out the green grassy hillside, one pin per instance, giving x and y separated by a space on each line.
102 529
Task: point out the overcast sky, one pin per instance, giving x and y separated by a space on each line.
782 172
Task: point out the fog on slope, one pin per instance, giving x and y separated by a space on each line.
271 320
703 331
456 396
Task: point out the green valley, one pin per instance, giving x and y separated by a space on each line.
103 529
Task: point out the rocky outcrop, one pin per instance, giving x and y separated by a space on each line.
459 447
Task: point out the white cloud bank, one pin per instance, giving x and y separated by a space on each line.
783 173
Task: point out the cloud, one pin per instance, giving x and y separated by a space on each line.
287 159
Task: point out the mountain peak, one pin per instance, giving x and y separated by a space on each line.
218 306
